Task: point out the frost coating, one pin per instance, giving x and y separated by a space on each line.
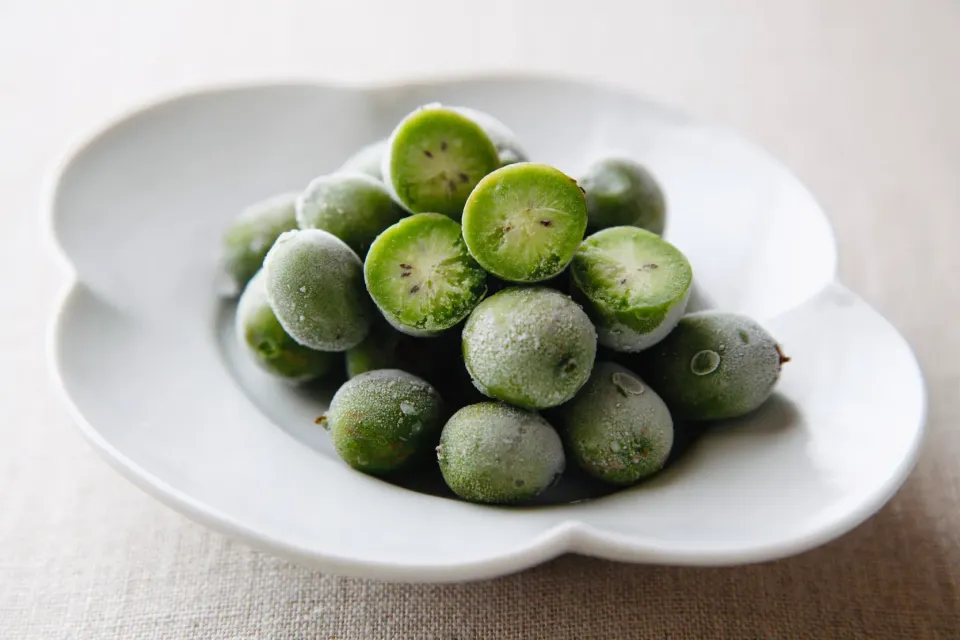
352 206
503 138
268 345
495 453
250 236
381 420
617 437
532 347
367 160
335 310
736 379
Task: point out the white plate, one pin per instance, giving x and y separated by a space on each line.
142 346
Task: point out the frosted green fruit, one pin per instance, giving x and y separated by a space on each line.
251 235
434 159
529 346
352 206
383 420
314 282
508 146
524 222
617 428
634 285
421 276
621 192
367 160
713 365
264 340
495 453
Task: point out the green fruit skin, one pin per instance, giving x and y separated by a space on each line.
352 206
620 325
617 428
423 124
270 347
314 283
621 192
529 346
367 160
495 453
385 420
480 238
747 367
249 238
380 278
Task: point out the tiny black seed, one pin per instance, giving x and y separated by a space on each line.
507 228
405 265
649 266
427 153
464 177
415 288
443 145
546 223
405 274
623 281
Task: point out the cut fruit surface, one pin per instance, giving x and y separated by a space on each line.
524 222
434 159
421 275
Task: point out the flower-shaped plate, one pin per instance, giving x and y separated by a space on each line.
143 346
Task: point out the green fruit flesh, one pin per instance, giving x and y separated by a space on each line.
634 285
435 158
421 275
524 222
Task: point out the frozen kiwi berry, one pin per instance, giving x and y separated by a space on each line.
421 275
617 429
314 283
381 420
352 206
621 192
530 346
367 160
495 453
506 142
713 365
262 337
434 159
524 222
251 235
633 284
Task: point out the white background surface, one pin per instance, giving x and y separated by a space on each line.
859 97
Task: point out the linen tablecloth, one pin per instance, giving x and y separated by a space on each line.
861 98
